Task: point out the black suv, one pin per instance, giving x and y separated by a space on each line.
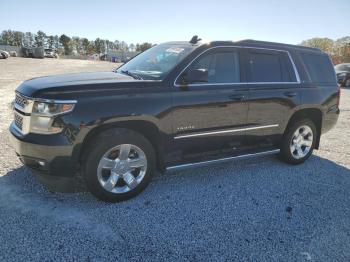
176 105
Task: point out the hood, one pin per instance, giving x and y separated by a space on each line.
77 82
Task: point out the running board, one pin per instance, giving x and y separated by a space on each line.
221 160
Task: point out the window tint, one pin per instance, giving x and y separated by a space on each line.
270 67
319 67
223 67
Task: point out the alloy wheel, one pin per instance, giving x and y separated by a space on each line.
301 142
122 168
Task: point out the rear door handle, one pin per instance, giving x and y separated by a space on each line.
290 94
237 97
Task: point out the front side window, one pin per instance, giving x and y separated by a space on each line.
222 66
269 67
156 62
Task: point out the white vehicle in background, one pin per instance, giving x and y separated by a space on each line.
343 74
4 54
49 53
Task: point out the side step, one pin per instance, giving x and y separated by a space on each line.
221 160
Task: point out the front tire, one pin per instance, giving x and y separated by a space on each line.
118 165
298 142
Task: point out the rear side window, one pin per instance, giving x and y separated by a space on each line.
319 68
265 66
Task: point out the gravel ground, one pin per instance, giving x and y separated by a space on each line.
252 210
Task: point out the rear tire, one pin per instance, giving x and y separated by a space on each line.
298 142
118 165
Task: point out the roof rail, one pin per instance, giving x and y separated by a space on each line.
251 41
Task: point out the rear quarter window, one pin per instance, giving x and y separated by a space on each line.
318 67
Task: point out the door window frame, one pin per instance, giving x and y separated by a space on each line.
243 67
214 50
284 60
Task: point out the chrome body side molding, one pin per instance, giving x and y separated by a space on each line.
224 131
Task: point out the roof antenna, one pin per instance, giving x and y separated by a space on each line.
194 40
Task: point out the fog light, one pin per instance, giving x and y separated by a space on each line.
41 163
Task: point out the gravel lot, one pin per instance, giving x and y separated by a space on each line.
252 210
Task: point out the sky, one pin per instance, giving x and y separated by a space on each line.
159 21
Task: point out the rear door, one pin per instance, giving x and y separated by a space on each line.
210 116
274 92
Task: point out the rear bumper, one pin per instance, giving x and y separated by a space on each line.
51 155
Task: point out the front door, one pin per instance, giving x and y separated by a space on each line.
211 116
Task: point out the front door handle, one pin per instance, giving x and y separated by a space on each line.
237 97
290 94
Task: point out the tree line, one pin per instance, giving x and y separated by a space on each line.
64 44
339 49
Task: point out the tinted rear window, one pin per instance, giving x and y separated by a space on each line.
269 67
319 67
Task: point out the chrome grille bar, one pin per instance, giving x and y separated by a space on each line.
22 109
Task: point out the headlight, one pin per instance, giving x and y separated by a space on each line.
51 109
43 116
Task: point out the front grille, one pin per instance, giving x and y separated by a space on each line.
21 101
19 121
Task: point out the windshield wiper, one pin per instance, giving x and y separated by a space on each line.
135 76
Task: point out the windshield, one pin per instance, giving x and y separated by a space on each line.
156 62
342 67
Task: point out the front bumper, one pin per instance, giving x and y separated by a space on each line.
49 154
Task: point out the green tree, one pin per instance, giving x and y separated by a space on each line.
7 37
28 39
64 40
51 42
18 38
325 44
75 45
85 45
99 45
56 42
91 48
40 39
132 47
143 47
117 44
342 50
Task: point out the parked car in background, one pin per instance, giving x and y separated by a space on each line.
343 74
176 105
13 53
4 54
28 52
49 53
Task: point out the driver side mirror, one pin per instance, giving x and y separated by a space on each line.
195 76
